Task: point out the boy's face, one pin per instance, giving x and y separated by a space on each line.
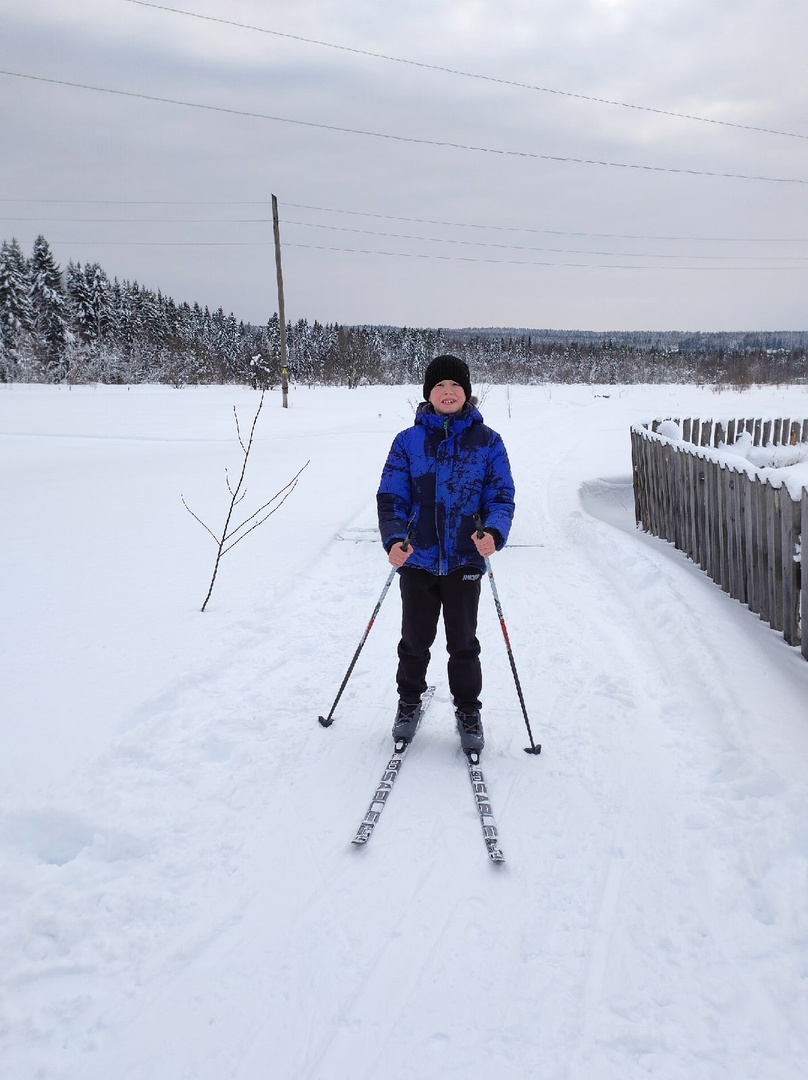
447 397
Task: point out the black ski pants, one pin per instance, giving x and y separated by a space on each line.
423 595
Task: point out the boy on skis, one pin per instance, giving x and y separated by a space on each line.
440 473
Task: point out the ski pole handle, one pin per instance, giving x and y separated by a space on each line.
398 552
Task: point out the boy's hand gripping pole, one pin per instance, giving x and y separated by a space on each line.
534 748
327 721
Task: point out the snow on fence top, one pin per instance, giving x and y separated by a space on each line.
733 495
775 448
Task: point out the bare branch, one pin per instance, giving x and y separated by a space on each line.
269 502
261 522
238 492
199 519
238 430
290 487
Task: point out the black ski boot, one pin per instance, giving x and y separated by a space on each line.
406 721
470 727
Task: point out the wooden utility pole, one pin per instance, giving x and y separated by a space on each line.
281 309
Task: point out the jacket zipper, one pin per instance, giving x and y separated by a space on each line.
442 563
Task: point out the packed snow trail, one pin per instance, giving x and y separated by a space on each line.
184 901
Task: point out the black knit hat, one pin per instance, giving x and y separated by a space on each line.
447 367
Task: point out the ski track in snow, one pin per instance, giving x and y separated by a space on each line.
185 902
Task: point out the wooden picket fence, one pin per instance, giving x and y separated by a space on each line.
743 531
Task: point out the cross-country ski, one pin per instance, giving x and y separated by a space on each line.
483 803
389 776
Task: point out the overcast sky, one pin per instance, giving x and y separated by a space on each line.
571 164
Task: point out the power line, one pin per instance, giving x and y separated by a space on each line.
376 232
396 236
539 262
141 221
145 202
523 247
470 74
161 243
548 232
418 255
385 235
408 139
365 213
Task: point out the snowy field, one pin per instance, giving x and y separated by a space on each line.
179 897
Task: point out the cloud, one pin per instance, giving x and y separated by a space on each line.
615 263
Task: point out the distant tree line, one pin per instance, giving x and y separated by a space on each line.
78 326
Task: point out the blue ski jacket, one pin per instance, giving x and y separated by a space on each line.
440 473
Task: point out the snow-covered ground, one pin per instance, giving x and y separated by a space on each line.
179 895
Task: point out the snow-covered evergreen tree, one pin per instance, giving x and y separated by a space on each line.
16 314
89 293
50 330
92 330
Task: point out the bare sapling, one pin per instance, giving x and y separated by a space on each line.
233 534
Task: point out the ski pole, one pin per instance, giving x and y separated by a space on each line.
327 721
534 748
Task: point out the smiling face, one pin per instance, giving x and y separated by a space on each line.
447 397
